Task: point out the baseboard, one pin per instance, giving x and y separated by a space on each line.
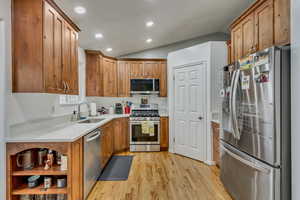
210 162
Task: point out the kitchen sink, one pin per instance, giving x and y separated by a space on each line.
90 121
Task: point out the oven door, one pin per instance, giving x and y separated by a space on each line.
138 137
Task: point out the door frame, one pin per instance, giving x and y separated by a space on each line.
171 81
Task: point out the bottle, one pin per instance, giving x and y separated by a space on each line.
50 158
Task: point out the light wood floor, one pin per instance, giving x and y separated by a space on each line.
163 176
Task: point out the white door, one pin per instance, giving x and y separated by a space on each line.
190 111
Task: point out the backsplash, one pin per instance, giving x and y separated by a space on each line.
111 101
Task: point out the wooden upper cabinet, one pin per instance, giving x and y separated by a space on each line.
93 74
70 60
44 48
264 29
110 83
53 54
282 23
237 43
136 69
163 76
123 78
248 34
151 69
264 24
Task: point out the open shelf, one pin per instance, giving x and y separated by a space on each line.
23 189
55 170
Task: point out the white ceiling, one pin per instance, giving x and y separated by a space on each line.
122 22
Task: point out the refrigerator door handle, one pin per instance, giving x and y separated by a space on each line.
246 162
230 102
235 123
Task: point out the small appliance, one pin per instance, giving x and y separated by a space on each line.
144 86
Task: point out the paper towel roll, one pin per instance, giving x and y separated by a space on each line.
93 107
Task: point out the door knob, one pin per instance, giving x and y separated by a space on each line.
200 118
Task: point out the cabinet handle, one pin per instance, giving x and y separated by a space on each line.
68 87
64 86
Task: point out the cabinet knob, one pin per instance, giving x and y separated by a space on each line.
200 118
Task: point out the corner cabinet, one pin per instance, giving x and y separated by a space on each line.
45 48
264 24
110 82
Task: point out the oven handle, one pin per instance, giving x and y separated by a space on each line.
140 122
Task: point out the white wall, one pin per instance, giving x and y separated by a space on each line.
295 99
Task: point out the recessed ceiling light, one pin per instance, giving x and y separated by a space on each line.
149 23
149 40
98 36
80 10
109 49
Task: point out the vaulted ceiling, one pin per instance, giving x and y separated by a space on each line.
122 22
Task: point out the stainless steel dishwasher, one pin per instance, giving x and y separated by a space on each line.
92 164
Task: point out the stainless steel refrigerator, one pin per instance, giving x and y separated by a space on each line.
255 133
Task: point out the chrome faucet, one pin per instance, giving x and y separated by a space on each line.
78 109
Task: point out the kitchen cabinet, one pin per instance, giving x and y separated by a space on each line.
136 69
264 30
282 24
94 83
216 142
44 48
109 77
237 43
229 51
107 147
164 133
264 24
123 79
121 137
17 176
247 26
163 75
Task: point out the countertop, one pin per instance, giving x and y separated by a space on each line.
60 132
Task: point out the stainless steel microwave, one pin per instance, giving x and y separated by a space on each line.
144 86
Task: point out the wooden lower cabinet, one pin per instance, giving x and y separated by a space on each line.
17 176
164 133
107 147
216 142
121 137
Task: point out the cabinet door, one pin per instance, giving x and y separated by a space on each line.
136 69
123 78
264 30
163 79
216 142
118 138
151 69
70 66
109 72
93 78
248 33
282 24
53 37
237 43
164 133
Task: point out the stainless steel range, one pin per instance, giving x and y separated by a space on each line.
145 128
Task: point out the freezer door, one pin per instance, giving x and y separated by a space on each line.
253 110
246 178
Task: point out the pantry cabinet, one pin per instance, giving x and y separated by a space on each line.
264 24
45 45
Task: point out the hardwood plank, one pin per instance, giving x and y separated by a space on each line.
163 176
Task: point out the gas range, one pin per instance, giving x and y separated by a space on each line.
145 113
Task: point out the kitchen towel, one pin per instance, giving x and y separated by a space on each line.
145 127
